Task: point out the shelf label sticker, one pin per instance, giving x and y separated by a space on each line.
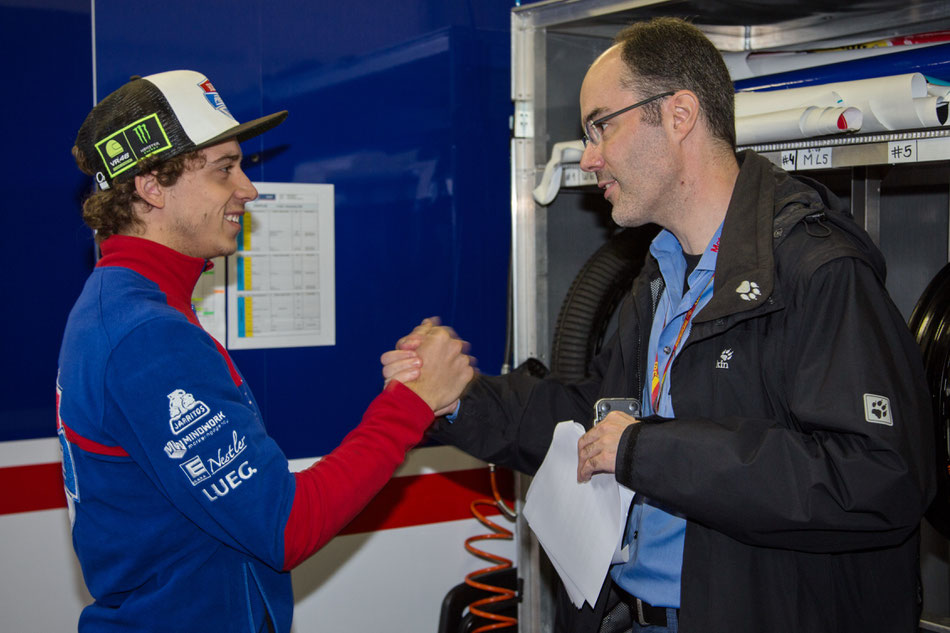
789 160
813 158
902 151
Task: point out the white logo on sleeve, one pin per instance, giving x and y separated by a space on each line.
196 470
877 409
749 291
184 410
175 449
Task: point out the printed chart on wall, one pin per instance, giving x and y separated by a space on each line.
281 282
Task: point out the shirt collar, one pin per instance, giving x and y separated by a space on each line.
175 273
668 253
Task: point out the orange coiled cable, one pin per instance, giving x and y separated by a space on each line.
501 594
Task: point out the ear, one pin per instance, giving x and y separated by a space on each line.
150 190
683 108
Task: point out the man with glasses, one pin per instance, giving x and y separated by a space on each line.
783 456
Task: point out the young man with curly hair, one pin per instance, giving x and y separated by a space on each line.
184 513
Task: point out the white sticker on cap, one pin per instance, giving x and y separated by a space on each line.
198 106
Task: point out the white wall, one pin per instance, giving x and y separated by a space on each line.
358 582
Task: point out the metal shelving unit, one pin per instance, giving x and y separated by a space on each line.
898 184
859 150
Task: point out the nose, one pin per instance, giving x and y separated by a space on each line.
246 191
591 159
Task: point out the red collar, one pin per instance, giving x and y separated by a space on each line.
175 273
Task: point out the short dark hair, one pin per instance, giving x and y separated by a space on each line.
668 54
112 211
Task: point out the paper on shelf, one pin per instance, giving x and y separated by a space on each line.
752 103
796 123
898 102
931 111
579 525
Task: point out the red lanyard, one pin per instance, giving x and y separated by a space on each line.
656 383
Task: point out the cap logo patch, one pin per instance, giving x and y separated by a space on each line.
214 98
123 149
113 148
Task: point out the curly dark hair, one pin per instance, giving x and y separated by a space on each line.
669 54
112 211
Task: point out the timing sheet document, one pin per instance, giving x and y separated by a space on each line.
281 281
579 525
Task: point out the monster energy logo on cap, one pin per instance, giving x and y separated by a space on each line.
141 130
121 150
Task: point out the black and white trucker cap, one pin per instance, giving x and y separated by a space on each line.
166 114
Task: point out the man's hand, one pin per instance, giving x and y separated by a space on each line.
597 449
432 362
403 363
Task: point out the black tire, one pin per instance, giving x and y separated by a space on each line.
592 299
930 325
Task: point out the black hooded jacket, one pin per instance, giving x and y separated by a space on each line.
801 453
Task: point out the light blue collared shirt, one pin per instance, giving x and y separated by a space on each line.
656 537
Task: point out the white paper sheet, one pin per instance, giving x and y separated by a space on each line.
281 281
579 525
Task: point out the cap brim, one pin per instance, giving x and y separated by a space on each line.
248 130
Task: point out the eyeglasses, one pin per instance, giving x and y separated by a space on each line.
595 129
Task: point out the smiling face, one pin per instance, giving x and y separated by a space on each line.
632 161
202 210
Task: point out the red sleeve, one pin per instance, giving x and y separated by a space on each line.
332 491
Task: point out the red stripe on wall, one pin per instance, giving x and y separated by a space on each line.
435 498
31 488
403 502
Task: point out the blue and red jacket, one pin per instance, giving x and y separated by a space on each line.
185 515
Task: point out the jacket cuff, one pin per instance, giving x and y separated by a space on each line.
626 450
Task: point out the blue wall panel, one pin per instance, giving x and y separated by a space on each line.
45 250
404 108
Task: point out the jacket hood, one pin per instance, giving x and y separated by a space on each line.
791 188
745 269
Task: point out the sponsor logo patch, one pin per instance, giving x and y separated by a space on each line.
214 98
877 409
121 150
184 410
202 431
198 470
229 482
175 449
235 448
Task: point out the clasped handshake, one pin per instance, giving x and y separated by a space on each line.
433 362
